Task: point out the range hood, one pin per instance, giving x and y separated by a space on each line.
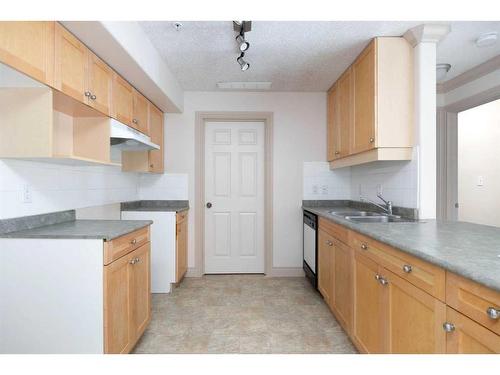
125 138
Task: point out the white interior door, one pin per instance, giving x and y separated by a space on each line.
234 186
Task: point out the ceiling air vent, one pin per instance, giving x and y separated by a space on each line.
244 86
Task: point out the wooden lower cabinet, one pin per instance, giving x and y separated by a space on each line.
181 246
127 300
342 284
413 318
469 337
368 325
325 261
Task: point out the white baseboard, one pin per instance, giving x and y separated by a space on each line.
286 272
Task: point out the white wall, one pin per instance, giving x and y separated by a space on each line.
299 135
478 156
55 187
168 186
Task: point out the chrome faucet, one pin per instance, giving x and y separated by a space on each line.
388 204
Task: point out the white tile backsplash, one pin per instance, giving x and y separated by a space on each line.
61 187
398 180
320 183
166 186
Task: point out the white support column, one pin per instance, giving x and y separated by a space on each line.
424 39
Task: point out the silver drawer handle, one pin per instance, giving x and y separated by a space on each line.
407 268
364 246
448 327
493 313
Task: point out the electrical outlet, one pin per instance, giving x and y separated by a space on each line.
315 189
379 189
26 194
324 189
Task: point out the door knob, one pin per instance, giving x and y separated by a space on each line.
209 205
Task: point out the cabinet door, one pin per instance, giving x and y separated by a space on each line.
344 114
342 284
140 290
118 336
123 100
71 59
414 318
324 266
331 126
140 120
469 337
156 157
363 127
29 48
100 77
368 327
181 250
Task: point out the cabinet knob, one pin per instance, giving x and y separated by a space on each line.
87 93
329 243
493 313
407 268
448 327
134 241
337 152
132 261
372 140
364 246
137 260
135 121
151 165
93 97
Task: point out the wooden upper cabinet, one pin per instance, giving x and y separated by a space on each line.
71 60
324 266
345 117
100 81
363 126
331 126
123 100
368 325
156 157
414 318
140 118
29 48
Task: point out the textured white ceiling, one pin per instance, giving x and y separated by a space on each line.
294 56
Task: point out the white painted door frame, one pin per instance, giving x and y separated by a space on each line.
447 152
201 119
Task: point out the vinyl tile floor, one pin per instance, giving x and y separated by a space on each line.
242 314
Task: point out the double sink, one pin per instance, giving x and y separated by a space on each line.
370 217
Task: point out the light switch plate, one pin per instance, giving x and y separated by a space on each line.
26 194
480 180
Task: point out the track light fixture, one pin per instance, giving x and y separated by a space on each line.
241 27
243 64
243 44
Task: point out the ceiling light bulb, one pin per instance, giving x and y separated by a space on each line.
243 64
244 45
441 71
487 39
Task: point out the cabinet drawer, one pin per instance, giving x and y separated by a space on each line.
473 300
125 244
426 276
336 230
180 216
